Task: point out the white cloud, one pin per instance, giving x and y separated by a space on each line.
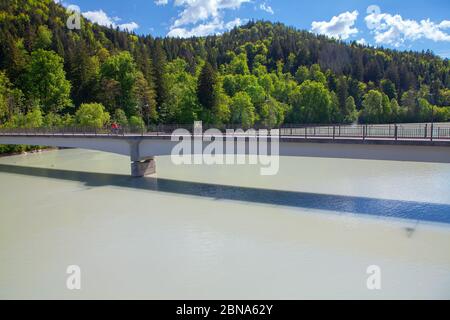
101 18
131 26
235 23
215 26
266 8
202 17
161 2
361 41
201 10
340 26
444 24
394 30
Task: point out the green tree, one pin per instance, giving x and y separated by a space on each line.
357 90
376 107
302 74
122 68
44 38
397 113
84 74
207 81
109 95
342 94
230 84
242 110
52 120
257 94
46 81
444 97
11 99
409 101
136 123
238 65
221 112
332 81
162 88
144 95
312 103
181 105
350 114
14 57
388 87
34 119
316 74
272 113
92 115
426 111
120 118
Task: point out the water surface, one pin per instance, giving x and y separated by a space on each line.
222 231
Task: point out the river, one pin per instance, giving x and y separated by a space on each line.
222 232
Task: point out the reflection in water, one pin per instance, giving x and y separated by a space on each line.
359 205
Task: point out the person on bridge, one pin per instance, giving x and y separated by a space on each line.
115 128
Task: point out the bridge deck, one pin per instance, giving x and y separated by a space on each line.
282 138
374 144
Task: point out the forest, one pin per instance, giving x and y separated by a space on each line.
262 73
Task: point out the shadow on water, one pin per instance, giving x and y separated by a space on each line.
347 204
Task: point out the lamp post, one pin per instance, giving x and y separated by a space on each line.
148 115
432 116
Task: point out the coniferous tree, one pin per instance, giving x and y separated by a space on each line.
205 88
159 67
342 93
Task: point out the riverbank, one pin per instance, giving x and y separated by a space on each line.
30 152
2 155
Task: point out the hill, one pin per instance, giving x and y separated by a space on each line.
260 73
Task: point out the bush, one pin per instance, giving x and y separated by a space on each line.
92 115
120 118
136 123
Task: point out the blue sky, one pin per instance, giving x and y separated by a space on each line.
400 24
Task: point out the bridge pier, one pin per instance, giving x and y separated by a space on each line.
143 168
140 166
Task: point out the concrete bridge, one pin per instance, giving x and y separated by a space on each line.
143 148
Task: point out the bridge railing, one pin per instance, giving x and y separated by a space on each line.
414 131
421 131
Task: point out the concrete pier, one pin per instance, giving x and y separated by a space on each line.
143 168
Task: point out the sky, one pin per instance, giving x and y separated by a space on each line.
399 24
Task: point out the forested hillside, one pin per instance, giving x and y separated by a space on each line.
261 73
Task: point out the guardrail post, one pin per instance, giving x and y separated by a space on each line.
364 132
396 132
431 134
426 130
334 132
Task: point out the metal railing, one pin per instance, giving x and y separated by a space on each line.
413 131
416 131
